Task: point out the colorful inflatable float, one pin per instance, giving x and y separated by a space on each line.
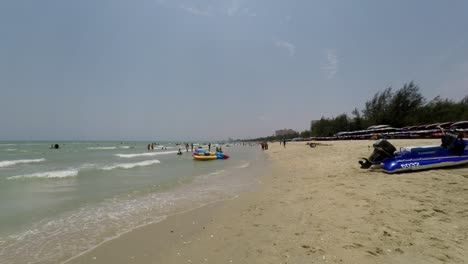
200 154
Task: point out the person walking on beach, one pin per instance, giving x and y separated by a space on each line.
186 147
284 143
209 146
191 146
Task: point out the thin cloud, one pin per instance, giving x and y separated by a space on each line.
197 11
235 10
246 12
332 63
291 48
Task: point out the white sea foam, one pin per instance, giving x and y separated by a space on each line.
10 149
7 163
94 148
124 147
87 166
47 174
131 165
149 154
217 172
243 165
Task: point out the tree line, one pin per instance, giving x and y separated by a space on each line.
400 108
403 107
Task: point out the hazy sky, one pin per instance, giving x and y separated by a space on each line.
213 69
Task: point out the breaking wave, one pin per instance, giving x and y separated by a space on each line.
47 174
102 148
7 163
131 165
145 154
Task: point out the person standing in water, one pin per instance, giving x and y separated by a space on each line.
191 145
186 147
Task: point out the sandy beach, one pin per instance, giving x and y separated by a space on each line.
315 206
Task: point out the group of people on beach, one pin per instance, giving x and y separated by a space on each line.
187 147
264 144
152 146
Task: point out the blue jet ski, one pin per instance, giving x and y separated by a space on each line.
452 152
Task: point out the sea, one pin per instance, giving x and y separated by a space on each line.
56 204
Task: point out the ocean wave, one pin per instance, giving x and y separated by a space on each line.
7 163
94 148
10 149
124 147
47 174
145 154
75 232
131 165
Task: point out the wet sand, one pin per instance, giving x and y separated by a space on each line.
317 206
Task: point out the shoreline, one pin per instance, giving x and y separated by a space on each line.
157 225
316 205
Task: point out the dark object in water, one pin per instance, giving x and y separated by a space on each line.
54 146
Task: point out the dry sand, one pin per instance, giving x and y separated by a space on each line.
317 206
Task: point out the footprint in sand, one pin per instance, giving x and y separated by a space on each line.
439 211
425 216
376 253
354 245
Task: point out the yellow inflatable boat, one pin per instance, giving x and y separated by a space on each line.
205 157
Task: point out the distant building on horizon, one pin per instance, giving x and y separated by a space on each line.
284 132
